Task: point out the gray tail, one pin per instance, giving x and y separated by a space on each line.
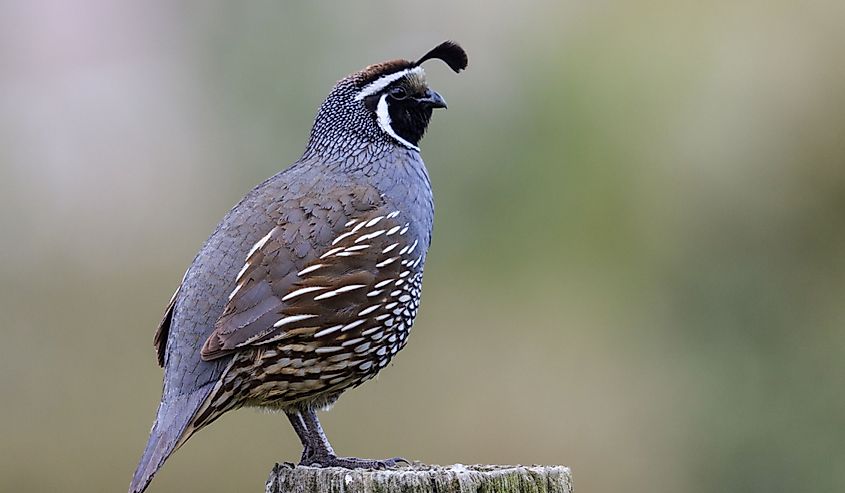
172 427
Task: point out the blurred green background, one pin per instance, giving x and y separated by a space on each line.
638 267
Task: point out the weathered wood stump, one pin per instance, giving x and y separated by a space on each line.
419 478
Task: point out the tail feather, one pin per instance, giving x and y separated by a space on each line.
173 426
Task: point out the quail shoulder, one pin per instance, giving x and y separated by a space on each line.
309 286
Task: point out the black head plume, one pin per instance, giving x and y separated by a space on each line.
450 52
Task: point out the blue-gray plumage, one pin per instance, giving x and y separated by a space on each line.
310 284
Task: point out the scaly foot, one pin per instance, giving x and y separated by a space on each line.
327 460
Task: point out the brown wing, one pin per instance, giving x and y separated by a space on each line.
274 301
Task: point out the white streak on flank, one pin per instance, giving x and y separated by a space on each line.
393 214
347 254
275 338
350 223
372 222
381 352
370 236
375 292
404 298
382 317
414 246
339 290
403 251
337 366
260 243
371 330
292 319
384 81
235 291
386 250
387 262
341 237
383 283
356 228
357 247
396 293
332 252
390 306
393 230
417 261
367 311
405 229
309 269
352 325
294 294
241 273
405 273
175 293
335 358
352 342
328 349
253 339
366 365
361 348
383 116
328 331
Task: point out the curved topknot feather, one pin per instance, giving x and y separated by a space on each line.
450 52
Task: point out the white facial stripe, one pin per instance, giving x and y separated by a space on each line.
384 122
382 82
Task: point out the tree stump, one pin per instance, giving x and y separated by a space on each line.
418 478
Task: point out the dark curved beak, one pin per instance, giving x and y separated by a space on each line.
432 99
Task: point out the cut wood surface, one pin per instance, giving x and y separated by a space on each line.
418 478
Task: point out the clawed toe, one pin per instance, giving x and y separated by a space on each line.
391 463
351 462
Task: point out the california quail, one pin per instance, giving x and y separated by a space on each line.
310 284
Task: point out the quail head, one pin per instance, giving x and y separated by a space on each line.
310 284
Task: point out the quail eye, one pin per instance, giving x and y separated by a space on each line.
398 93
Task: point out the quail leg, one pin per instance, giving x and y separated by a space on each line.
302 432
322 455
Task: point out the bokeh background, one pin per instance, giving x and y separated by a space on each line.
639 259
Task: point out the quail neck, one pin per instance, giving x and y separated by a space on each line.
310 285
